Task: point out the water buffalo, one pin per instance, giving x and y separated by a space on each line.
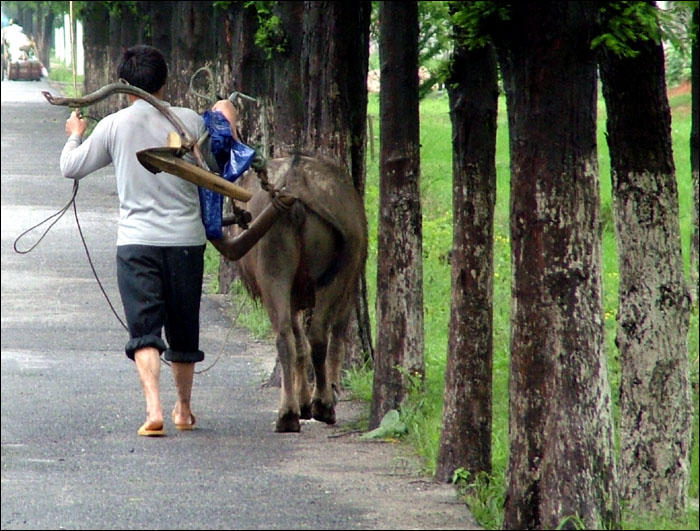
310 258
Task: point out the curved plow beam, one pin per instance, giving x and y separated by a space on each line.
123 88
166 159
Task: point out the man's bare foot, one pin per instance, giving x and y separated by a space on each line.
183 420
152 428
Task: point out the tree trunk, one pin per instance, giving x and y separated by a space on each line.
335 59
250 74
193 46
695 161
98 63
466 424
561 461
43 34
399 350
656 412
161 15
288 99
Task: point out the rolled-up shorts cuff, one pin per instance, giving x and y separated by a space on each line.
183 357
138 343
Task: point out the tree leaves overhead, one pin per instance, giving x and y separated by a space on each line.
480 21
626 23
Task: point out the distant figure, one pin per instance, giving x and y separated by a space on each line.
17 43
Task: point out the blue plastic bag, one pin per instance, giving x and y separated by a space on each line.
231 155
239 162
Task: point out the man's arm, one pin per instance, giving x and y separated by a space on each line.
79 159
227 108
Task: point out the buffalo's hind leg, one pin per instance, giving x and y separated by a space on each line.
336 356
288 416
301 367
323 403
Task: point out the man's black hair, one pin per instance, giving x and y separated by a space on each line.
143 67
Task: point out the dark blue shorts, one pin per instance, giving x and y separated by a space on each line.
161 287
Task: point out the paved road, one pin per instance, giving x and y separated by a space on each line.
71 401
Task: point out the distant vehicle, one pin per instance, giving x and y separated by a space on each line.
20 59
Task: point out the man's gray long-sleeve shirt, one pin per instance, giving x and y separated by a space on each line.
160 209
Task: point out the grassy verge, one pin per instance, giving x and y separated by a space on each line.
62 75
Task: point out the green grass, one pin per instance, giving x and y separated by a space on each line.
247 313
422 412
63 75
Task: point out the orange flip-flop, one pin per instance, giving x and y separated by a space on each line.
188 426
149 432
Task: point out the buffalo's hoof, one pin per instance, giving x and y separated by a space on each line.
287 423
305 412
323 413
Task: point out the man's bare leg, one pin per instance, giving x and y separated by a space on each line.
182 416
148 365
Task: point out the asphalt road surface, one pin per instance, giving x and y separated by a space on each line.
72 403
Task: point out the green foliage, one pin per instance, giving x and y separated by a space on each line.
480 21
223 5
390 427
572 521
270 35
434 41
247 313
485 495
252 314
212 261
679 32
625 24
358 382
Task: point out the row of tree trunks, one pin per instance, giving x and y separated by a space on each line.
655 417
466 423
562 460
400 339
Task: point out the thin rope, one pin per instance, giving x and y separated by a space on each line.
58 215
92 266
228 334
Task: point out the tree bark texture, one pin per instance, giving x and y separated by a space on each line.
43 33
400 342
466 423
653 316
98 61
562 461
335 59
250 74
288 98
